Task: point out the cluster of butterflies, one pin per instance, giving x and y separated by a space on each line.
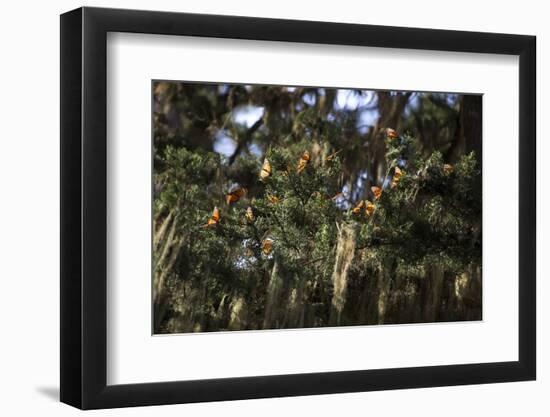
370 207
266 170
366 206
237 192
232 197
267 243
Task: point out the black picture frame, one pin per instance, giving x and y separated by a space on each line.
84 207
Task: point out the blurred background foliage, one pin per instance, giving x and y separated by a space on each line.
265 216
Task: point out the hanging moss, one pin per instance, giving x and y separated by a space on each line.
345 251
311 219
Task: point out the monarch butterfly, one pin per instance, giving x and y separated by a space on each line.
304 160
396 177
333 155
235 194
213 221
369 208
267 246
250 214
266 170
337 196
447 169
273 199
391 133
358 207
377 191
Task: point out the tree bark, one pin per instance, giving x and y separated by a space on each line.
468 133
433 307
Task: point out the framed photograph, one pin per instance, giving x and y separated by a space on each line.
258 208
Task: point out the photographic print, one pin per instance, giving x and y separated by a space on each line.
288 207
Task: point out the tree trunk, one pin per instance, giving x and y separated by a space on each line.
468 133
433 306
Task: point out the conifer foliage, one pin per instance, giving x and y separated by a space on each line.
311 221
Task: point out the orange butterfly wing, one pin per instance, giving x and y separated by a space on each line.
391 133
358 207
333 155
273 199
266 169
213 221
304 160
235 195
369 208
337 196
396 177
377 191
267 246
